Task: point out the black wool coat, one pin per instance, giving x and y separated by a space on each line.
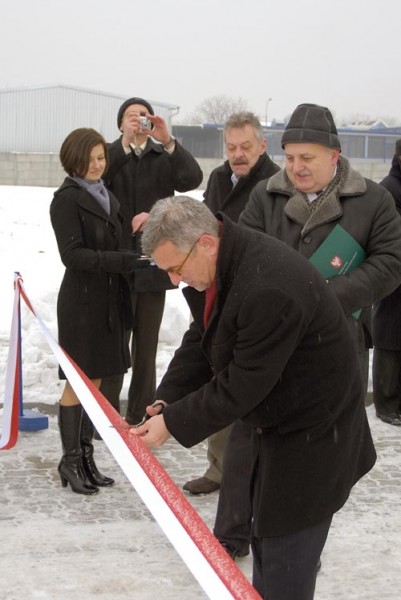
93 306
221 195
387 312
138 182
277 352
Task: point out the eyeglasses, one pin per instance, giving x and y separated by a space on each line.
177 270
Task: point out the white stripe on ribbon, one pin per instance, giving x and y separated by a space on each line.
215 571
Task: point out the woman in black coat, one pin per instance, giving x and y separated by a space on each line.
93 307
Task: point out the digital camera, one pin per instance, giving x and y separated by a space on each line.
144 123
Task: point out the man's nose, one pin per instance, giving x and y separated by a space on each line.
238 152
298 164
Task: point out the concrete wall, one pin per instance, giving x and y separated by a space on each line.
34 169
44 170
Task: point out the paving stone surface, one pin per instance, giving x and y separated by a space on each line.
57 545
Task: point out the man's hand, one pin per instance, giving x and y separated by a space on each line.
160 131
139 221
154 432
129 129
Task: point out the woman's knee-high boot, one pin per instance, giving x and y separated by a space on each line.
71 468
88 462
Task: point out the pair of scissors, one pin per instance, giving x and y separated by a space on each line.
145 418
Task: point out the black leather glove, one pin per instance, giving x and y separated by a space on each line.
131 261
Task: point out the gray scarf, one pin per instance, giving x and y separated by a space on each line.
97 189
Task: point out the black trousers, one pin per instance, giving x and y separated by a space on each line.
147 308
234 509
386 379
285 566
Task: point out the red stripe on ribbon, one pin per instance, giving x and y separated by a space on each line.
10 422
224 566
235 582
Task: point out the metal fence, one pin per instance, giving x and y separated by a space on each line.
206 141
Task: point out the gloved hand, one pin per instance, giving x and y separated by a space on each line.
130 261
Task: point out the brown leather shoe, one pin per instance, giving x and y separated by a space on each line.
202 485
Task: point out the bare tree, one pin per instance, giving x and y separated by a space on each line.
217 109
392 121
365 120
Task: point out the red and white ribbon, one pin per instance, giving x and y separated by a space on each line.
216 573
9 431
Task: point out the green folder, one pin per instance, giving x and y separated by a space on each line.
337 255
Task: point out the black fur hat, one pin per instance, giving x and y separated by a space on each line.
398 147
128 103
311 124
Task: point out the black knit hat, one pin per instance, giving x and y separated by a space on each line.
398 147
128 103
311 124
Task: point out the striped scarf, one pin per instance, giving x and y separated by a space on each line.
334 184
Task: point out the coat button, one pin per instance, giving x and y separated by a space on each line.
259 430
307 239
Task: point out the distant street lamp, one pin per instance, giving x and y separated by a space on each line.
267 109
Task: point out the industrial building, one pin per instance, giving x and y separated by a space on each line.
34 121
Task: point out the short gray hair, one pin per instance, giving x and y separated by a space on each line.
241 119
180 220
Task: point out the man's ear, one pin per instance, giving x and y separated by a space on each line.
209 244
335 156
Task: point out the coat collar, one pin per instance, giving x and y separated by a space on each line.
264 162
330 210
89 203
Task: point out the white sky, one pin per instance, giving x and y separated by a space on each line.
342 54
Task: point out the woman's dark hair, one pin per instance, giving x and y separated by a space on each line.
76 148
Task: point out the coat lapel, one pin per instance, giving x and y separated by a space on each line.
297 210
331 209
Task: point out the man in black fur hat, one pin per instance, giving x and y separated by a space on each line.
146 163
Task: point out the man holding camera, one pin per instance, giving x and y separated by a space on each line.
146 163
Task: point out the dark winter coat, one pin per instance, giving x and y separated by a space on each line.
138 182
278 353
93 307
387 312
220 194
364 209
